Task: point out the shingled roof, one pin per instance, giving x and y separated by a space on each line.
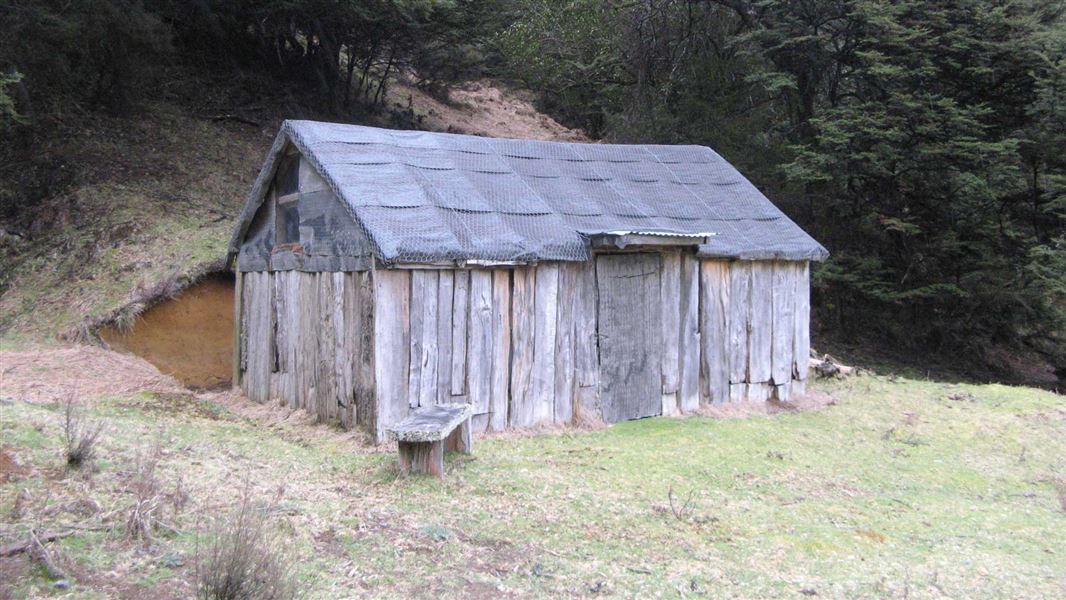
422 196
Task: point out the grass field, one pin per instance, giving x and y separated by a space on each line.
901 489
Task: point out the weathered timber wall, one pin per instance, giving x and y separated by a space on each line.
519 344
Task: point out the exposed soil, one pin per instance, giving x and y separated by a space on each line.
9 467
189 337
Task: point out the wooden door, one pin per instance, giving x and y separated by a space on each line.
630 335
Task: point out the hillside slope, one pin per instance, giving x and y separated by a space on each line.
155 196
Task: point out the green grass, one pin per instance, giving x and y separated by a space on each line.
896 491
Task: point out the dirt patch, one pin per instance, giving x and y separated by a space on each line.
9 467
485 108
86 372
812 400
189 337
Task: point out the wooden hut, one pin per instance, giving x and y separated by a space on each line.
541 282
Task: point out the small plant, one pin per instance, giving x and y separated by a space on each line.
144 516
242 559
79 434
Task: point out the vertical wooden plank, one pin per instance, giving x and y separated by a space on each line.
307 354
569 280
670 294
479 340
801 351
586 352
739 320
501 349
715 330
460 313
445 294
343 354
392 331
417 300
546 314
427 385
325 395
523 325
760 347
689 336
292 316
784 322
238 315
281 335
366 401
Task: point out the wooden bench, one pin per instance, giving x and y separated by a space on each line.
428 432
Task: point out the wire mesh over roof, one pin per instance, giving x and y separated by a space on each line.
427 197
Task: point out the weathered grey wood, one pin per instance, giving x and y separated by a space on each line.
670 298
587 355
798 388
520 413
783 392
325 394
307 352
738 392
392 354
445 295
569 279
427 383
715 330
739 320
689 336
418 298
238 332
801 351
479 340
501 349
309 179
630 336
422 457
460 313
759 392
342 354
760 347
784 322
366 403
546 310
260 337
430 423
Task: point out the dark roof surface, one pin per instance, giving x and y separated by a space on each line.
422 196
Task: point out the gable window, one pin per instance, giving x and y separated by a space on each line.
287 199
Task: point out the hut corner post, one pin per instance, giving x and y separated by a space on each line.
237 301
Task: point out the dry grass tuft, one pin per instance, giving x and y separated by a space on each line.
144 517
243 559
1060 487
79 434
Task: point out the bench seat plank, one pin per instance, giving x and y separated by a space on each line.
431 423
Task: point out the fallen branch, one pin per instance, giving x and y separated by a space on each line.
41 555
33 541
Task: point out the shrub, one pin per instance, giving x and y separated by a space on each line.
242 559
79 434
